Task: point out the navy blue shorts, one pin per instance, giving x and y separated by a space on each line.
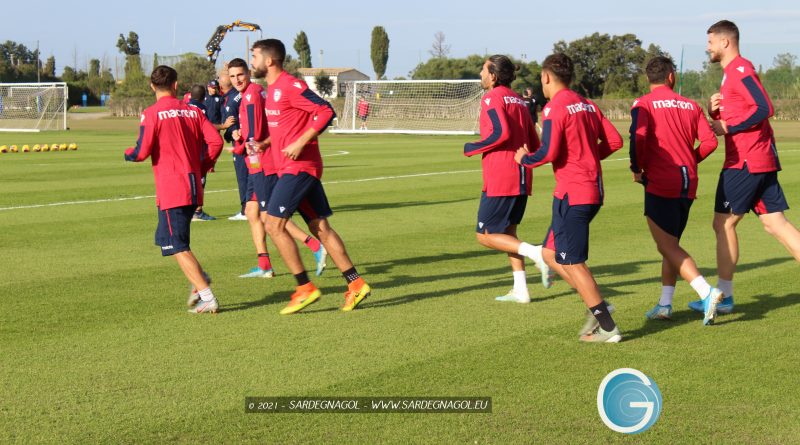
240 168
172 233
496 213
259 189
303 193
568 235
739 191
669 214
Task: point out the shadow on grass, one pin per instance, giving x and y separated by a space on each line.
755 310
394 205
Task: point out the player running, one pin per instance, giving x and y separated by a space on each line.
505 126
664 128
183 146
575 137
296 117
749 177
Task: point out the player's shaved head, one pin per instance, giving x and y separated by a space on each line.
163 77
560 66
272 48
658 70
725 28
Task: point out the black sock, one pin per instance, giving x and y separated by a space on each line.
351 275
302 278
603 317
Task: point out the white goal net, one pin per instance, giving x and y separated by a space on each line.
411 106
33 106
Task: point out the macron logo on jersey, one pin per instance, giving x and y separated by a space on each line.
635 102
297 85
580 106
512 100
282 209
673 103
487 101
563 255
141 119
546 111
247 97
170 114
740 69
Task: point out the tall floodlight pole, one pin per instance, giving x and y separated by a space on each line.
680 80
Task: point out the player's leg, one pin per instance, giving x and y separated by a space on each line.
313 244
240 168
519 292
199 214
253 213
770 208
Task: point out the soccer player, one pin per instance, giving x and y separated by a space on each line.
575 137
197 100
296 117
664 128
261 171
363 112
183 146
749 177
230 113
505 125
213 103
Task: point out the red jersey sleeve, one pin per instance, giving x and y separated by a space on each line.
610 139
552 139
213 146
708 140
495 119
640 119
321 110
758 102
147 140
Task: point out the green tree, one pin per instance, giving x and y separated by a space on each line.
193 69
303 49
379 51
129 46
49 69
437 68
94 68
292 66
324 84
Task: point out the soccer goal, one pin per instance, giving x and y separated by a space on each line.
33 106
411 106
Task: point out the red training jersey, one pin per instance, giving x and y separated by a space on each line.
746 108
292 108
363 108
506 126
183 146
575 137
253 125
664 127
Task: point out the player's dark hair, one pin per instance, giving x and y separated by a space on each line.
198 92
658 69
238 63
561 66
503 69
163 77
274 48
725 27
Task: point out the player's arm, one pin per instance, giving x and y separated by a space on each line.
247 128
755 95
610 139
552 136
497 138
319 108
213 145
145 143
708 140
640 120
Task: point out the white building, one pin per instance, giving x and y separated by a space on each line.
339 76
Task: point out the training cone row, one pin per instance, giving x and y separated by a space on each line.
37 148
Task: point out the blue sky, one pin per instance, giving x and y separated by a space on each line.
342 29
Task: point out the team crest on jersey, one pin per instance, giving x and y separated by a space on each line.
276 95
487 100
546 111
297 85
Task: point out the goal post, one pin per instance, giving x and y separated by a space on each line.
33 107
411 107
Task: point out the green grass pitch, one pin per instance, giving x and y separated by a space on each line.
96 345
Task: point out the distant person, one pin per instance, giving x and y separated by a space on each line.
575 137
363 112
749 177
197 100
230 115
530 103
183 146
213 102
664 128
505 126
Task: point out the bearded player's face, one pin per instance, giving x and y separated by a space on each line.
258 63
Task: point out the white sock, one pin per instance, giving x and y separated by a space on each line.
666 295
206 294
725 286
531 251
520 282
701 286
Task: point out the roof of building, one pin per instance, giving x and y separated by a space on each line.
328 71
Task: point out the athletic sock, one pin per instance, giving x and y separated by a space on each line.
666 295
726 286
603 317
701 286
312 243
531 251
520 282
206 294
351 275
302 278
263 261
